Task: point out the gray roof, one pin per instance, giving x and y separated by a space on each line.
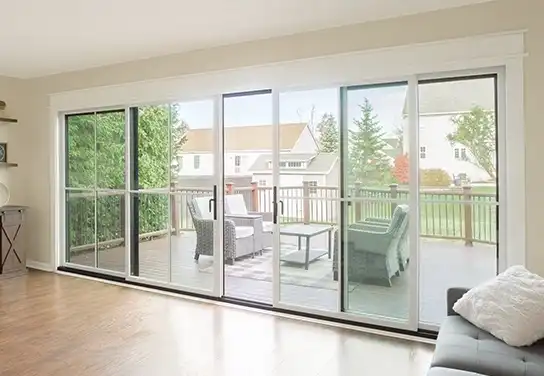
320 163
455 96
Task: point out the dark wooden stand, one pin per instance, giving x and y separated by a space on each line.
12 254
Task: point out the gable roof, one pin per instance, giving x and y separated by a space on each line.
320 163
455 96
244 138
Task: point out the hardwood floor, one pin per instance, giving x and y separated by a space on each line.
59 325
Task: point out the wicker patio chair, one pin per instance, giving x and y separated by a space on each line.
237 240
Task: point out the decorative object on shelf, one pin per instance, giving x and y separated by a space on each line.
3 152
4 194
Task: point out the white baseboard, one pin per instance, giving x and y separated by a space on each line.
39 266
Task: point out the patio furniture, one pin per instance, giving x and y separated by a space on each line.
237 240
372 251
235 208
403 249
304 256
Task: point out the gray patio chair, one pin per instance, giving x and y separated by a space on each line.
372 252
403 250
263 228
237 240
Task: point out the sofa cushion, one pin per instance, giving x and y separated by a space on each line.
509 306
463 346
439 371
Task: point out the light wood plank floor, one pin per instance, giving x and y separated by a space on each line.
59 325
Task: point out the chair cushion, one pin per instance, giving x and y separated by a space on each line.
463 346
243 231
268 227
235 204
203 205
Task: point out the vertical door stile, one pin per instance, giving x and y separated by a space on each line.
413 204
276 277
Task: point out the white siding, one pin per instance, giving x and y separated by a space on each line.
206 163
439 153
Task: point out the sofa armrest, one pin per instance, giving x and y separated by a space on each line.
453 295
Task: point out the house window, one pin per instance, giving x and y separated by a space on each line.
196 162
312 187
237 160
422 152
294 164
283 164
262 183
460 154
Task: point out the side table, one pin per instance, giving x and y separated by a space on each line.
12 253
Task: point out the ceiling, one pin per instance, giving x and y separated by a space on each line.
42 37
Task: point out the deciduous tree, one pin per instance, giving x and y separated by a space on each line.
476 132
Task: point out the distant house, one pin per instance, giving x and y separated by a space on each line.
317 169
438 103
242 145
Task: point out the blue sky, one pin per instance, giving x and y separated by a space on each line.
297 107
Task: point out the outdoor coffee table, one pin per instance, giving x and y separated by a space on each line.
308 254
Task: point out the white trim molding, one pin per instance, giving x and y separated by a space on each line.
342 69
43 266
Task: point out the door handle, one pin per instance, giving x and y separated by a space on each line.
214 200
274 205
281 203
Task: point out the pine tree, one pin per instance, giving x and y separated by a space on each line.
329 137
368 160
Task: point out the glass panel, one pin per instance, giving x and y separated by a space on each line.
153 247
458 189
192 136
375 219
153 145
110 231
80 145
80 228
308 190
248 134
110 150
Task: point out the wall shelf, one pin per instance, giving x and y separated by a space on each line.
7 120
8 164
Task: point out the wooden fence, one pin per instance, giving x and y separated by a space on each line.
456 213
459 213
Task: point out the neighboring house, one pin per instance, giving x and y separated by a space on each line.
296 170
318 169
242 145
438 103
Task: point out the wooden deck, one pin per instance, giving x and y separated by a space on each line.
443 264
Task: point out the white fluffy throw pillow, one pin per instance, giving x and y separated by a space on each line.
510 306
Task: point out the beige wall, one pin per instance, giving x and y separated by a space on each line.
502 15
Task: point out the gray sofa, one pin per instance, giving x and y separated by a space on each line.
464 350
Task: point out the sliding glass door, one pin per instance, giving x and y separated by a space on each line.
374 264
172 191
362 203
248 134
458 195
95 191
